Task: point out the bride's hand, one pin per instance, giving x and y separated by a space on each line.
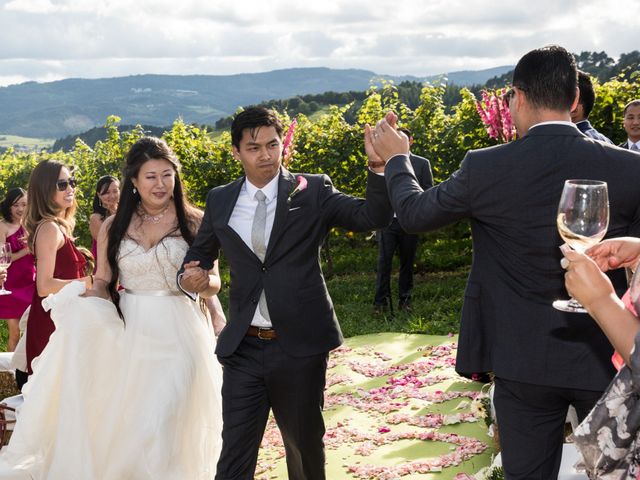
218 325
99 290
96 293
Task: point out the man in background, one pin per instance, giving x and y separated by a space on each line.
580 115
631 123
544 360
394 238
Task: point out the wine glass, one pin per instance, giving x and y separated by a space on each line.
583 218
5 261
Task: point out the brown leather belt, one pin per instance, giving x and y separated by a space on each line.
261 333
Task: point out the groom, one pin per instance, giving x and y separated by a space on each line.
270 225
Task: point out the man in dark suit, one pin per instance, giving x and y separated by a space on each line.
580 115
274 349
394 237
631 123
543 359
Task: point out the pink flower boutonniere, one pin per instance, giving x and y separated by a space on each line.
302 184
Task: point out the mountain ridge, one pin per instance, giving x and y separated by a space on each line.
64 107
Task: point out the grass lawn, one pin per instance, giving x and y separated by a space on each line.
26 142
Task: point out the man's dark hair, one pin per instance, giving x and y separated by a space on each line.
587 94
632 103
253 118
548 76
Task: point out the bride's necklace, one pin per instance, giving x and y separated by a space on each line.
155 219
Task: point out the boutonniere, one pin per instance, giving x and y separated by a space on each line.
302 184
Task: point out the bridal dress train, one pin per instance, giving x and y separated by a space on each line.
114 400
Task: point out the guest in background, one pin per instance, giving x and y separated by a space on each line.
21 272
394 238
631 123
105 204
49 222
580 114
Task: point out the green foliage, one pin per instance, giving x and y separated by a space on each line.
329 143
611 97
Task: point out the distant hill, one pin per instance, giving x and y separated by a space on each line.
93 135
65 107
467 78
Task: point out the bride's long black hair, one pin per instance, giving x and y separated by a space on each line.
145 149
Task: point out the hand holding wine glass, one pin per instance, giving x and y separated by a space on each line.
583 219
5 261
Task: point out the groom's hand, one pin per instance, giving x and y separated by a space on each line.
194 279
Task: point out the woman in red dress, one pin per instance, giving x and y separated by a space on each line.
21 273
49 222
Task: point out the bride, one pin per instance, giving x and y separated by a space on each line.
128 386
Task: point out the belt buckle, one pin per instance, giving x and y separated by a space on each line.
260 330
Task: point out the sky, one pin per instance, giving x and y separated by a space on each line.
47 40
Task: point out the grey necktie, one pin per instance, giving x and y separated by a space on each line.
257 242
634 147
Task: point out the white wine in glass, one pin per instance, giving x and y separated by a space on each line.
583 219
5 261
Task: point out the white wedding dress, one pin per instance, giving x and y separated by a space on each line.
123 401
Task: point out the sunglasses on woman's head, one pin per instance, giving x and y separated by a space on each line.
62 185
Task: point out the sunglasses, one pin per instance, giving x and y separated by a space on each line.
62 185
510 93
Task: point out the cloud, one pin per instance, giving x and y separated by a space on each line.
45 39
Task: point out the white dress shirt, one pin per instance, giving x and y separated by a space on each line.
241 222
630 144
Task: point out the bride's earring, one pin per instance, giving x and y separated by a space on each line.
135 190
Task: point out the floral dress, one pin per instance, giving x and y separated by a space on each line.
609 438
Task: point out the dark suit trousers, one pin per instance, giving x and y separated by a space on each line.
391 239
260 376
531 422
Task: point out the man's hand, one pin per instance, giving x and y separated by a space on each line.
375 162
386 141
194 279
616 253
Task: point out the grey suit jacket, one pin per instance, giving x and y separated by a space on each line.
510 193
300 308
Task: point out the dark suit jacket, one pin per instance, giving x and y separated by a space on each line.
422 169
510 193
300 308
585 127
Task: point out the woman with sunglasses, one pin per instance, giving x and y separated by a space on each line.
105 204
21 272
49 222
